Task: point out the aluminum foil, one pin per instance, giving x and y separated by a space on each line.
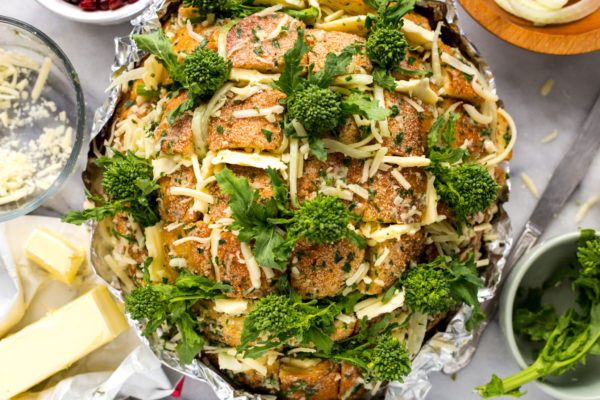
448 350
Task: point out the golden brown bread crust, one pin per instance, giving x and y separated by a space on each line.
176 137
246 49
458 85
233 270
227 132
325 42
175 208
321 270
221 327
257 179
408 128
320 382
195 253
351 384
388 201
401 252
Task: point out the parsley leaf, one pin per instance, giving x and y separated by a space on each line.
361 104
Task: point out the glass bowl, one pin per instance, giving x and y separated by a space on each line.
63 89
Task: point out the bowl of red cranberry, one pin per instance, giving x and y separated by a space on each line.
100 12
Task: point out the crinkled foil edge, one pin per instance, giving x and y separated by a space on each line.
448 351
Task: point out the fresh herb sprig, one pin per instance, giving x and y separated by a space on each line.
129 187
171 303
386 45
374 351
575 335
276 319
224 8
321 220
466 188
312 103
202 73
442 283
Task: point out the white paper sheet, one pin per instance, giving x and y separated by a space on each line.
123 367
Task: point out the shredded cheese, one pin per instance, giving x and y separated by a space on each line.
231 306
256 160
550 137
547 87
585 207
530 185
251 265
401 179
41 78
412 161
371 309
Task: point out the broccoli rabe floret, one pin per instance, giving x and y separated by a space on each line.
427 289
129 187
318 109
146 303
466 189
223 8
389 359
386 47
205 72
276 319
323 219
442 283
275 315
122 173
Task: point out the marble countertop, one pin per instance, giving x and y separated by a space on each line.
519 76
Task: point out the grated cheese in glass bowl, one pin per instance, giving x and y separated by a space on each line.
42 118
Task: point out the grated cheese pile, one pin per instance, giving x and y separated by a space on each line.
29 162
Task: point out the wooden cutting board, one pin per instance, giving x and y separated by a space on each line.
577 37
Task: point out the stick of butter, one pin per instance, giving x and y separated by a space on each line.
57 340
55 254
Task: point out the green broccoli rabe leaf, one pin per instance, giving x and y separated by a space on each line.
171 303
160 45
186 105
495 388
251 218
392 15
448 136
361 104
384 79
438 131
224 8
129 187
308 15
191 342
142 91
276 319
334 65
290 78
532 319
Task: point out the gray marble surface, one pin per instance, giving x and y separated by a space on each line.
519 76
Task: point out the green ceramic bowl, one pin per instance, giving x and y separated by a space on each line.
582 383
